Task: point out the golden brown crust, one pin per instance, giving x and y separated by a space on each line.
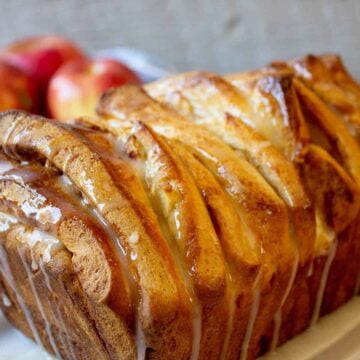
327 76
223 212
333 191
209 100
273 107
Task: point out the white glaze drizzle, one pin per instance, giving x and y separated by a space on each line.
324 276
230 322
183 272
35 207
134 237
140 341
56 215
7 135
140 338
302 71
147 174
6 221
187 281
252 318
69 187
31 238
67 344
197 329
8 276
39 303
36 236
5 166
5 299
116 241
311 269
278 315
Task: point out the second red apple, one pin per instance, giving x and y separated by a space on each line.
41 56
16 89
76 86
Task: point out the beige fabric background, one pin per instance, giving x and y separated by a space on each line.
219 35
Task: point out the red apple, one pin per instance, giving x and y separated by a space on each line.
16 90
41 56
76 86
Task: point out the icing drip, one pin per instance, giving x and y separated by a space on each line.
277 328
116 242
5 223
253 314
39 304
147 173
68 187
7 274
185 277
140 341
324 276
311 269
7 136
197 326
32 238
140 338
230 323
278 315
35 207
5 166
134 237
5 300
187 281
64 340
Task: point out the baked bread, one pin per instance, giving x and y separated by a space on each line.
199 217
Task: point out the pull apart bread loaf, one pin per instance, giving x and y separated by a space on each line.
199 217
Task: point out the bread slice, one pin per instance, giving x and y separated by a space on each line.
327 76
185 221
238 178
210 101
283 88
161 304
329 97
50 276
